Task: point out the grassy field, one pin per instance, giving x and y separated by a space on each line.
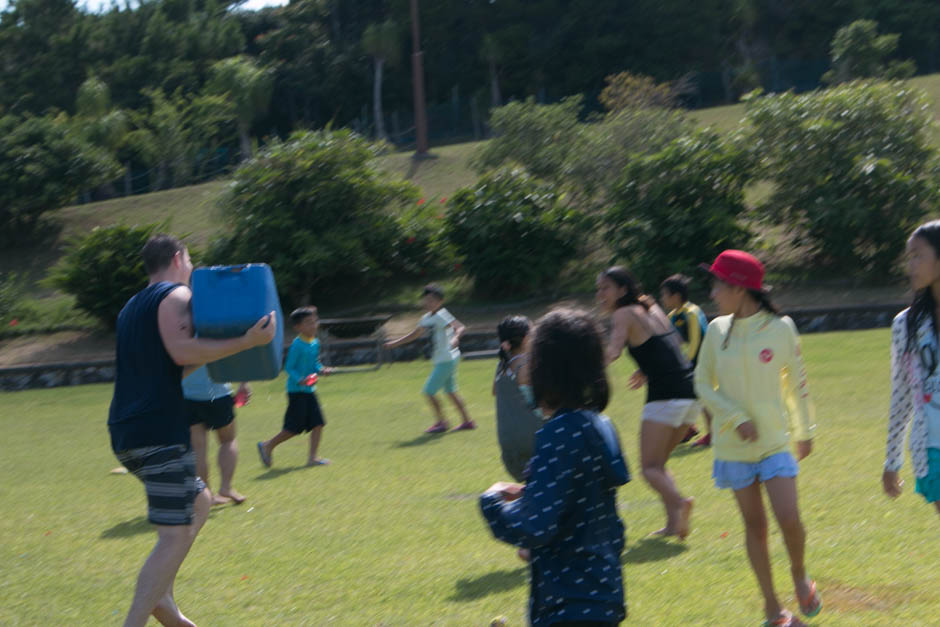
390 533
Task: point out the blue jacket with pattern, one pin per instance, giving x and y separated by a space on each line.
567 516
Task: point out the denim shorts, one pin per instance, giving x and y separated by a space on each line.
739 475
442 377
929 485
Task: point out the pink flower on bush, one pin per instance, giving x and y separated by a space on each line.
443 200
14 322
411 240
421 202
457 266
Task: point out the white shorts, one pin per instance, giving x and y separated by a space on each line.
674 412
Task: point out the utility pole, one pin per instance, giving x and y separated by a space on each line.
417 79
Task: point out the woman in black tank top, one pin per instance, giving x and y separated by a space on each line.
640 325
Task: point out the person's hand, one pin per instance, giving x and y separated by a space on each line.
803 449
245 390
747 431
891 484
509 491
455 342
327 371
263 331
637 380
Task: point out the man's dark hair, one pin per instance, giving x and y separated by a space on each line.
567 362
301 313
677 284
159 251
434 290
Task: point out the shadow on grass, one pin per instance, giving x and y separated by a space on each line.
687 449
274 473
490 583
133 527
652 550
424 438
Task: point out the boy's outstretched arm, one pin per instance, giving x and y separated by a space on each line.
411 337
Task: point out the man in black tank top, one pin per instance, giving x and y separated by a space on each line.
149 433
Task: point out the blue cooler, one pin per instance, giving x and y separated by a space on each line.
229 300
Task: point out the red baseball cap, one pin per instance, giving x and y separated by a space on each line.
737 268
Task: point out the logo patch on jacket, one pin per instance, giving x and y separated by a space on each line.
766 355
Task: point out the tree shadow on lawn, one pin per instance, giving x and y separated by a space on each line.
652 550
490 583
424 438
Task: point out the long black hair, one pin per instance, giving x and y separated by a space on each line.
567 362
624 278
511 330
924 304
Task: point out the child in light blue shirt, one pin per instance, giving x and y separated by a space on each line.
303 367
445 354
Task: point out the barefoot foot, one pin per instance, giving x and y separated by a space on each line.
218 499
236 497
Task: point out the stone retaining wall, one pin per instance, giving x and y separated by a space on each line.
472 344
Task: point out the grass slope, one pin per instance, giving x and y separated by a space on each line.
390 534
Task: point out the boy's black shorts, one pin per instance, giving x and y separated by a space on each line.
213 414
303 412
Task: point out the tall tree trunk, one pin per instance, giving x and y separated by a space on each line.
377 100
496 96
244 140
128 179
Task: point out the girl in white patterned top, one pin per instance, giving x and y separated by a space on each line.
915 372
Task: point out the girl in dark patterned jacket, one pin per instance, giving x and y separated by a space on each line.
915 374
566 514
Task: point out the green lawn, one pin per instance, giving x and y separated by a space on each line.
390 534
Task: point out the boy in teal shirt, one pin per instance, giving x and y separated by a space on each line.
445 339
303 409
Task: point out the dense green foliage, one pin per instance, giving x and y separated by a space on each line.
45 166
680 206
103 269
858 51
318 212
11 289
513 233
853 168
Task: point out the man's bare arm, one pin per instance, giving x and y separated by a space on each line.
175 321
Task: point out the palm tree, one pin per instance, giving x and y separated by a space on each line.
248 87
381 42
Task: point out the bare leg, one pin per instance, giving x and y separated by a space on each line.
436 409
312 459
656 442
751 504
461 407
282 436
228 458
783 499
197 437
155 581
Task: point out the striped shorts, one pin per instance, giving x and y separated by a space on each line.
169 477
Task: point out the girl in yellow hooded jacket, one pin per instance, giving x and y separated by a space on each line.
750 376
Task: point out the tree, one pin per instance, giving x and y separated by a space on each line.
853 169
97 122
858 51
45 166
680 205
381 42
248 86
635 91
316 209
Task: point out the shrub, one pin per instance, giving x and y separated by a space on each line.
680 206
853 168
535 136
316 209
512 232
103 269
11 289
858 51
632 91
